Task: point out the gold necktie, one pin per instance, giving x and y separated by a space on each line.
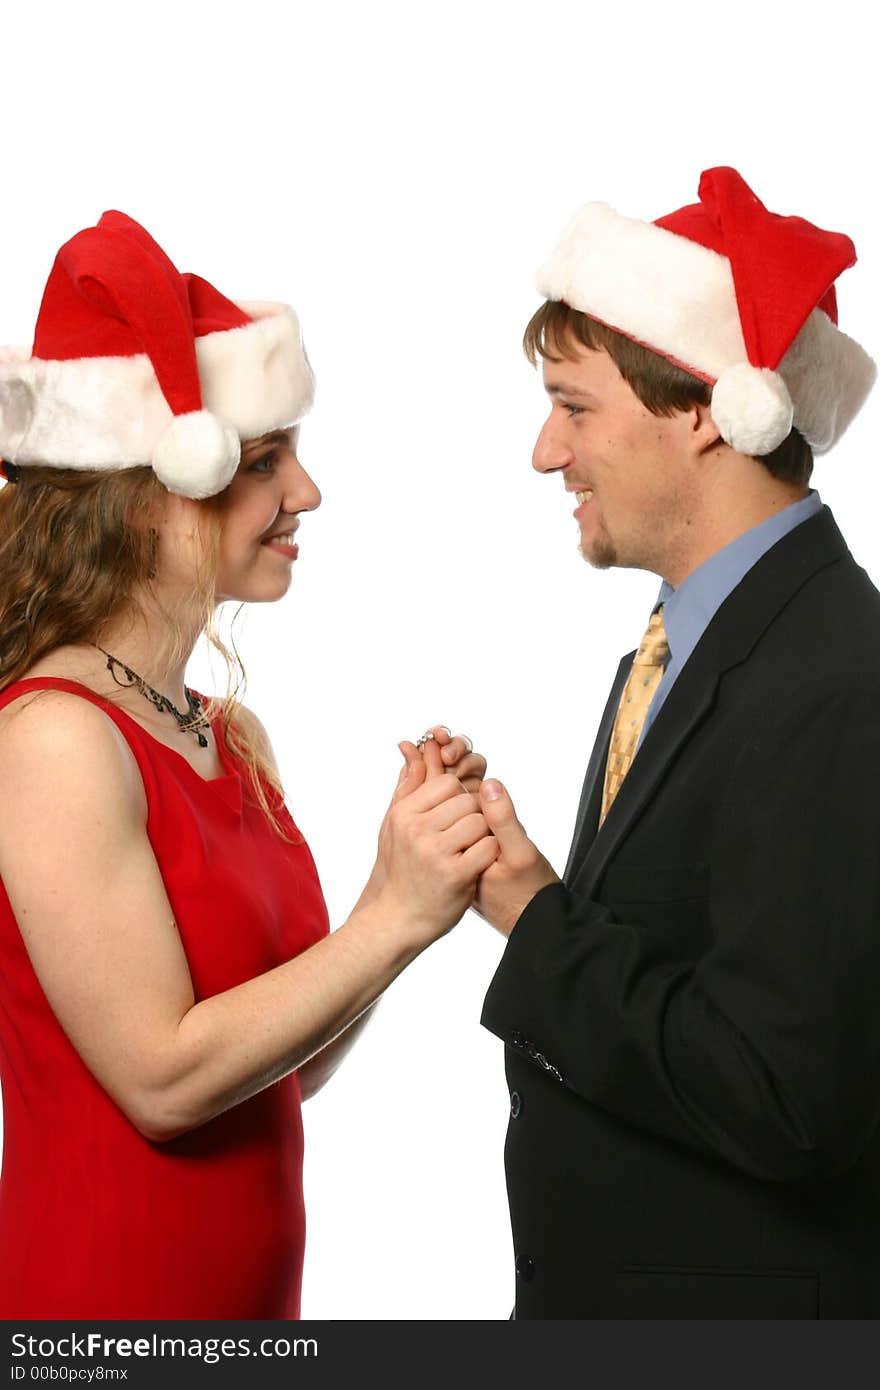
647 669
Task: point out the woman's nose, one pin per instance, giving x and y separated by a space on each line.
303 494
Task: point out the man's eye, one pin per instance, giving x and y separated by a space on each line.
573 409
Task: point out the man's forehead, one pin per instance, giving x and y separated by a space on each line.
581 375
559 386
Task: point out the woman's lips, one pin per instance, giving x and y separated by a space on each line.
276 543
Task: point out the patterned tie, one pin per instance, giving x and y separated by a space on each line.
647 669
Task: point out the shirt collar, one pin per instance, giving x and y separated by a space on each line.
688 610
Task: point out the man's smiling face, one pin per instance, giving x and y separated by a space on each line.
634 473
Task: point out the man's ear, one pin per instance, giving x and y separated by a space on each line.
705 434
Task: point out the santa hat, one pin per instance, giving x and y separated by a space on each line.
740 297
134 363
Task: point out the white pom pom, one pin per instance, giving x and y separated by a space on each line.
197 455
752 409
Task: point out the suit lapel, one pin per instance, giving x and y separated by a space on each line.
591 795
738 624
688 703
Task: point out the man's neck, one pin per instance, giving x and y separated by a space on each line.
727 514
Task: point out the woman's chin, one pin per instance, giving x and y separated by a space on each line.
255 592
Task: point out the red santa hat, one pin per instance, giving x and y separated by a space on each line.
740 297
134 363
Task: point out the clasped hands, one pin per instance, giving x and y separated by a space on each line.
465 828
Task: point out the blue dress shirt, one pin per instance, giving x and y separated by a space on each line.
689 609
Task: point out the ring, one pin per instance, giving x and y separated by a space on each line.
424 739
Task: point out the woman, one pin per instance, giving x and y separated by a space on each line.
169 987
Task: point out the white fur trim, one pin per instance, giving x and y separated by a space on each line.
828 377
752 409
197 454
109 412
667 292
258 377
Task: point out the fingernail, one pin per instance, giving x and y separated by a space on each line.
492 790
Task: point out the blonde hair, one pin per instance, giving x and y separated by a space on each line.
75 546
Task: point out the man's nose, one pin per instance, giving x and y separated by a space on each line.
551 451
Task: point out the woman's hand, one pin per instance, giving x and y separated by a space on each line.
458 756
433 845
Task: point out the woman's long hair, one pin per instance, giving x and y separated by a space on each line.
76 547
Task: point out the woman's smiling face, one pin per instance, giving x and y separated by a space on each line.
259 517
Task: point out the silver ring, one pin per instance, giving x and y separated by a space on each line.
420 742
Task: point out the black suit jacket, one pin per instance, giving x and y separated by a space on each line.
692 1018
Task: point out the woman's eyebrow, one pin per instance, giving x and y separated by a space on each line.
274 437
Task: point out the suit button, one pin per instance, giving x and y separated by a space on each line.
525 1268
515 1103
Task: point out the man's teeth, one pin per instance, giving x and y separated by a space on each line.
583 497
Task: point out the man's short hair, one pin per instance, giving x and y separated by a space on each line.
661 386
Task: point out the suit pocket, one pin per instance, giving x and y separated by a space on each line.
651 1291
655 883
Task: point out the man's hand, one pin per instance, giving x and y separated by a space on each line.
508 886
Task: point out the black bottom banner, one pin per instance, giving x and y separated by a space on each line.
744 1355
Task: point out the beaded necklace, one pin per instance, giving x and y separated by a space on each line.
191 722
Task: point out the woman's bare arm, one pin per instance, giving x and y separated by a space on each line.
87 893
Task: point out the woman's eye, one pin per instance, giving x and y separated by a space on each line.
263 465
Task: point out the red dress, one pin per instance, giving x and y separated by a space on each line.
95 1220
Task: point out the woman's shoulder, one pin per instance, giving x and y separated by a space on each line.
45 679
37 707
52 690
54 734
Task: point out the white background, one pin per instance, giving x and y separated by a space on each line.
397 172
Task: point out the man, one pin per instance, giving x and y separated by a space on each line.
692 1015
